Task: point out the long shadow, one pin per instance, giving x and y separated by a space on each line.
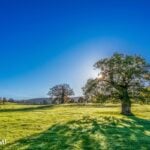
52 106
97 105
27 108
106 133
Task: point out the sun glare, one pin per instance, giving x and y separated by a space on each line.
100 76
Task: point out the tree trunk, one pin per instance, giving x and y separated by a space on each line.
126 108
62 99
126 103
63 96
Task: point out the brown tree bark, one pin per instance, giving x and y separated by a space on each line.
126 104
63 96
126 108
62 99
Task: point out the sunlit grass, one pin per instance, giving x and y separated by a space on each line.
74 127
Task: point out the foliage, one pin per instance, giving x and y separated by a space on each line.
145 95
89 89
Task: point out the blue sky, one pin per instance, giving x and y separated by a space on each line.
47 42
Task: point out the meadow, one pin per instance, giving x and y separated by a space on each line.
74 127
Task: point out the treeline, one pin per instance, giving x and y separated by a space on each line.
143 98
4 100
62 93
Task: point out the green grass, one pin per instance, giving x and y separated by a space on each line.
74 127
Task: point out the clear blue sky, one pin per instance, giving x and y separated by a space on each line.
47 42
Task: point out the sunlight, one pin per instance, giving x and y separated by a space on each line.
100 76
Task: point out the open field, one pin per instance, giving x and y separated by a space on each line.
74 127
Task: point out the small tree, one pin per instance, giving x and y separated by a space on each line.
1 100
4 100
11 100
61 92
45 102
81 100
122 77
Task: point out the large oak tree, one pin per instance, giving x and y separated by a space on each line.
121 77
61 92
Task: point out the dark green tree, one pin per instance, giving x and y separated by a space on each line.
121 77
61 92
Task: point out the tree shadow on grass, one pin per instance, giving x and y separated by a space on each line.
87 105
27 109
107 133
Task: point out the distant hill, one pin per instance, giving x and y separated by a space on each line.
39 101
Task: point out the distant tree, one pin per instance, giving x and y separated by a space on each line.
45 102
61 92
1 100
4 100
11 100
121 77
81 100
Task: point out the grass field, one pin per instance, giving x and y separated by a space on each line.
74 127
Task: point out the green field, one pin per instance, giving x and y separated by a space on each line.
74 127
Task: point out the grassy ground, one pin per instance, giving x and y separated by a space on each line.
74 127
